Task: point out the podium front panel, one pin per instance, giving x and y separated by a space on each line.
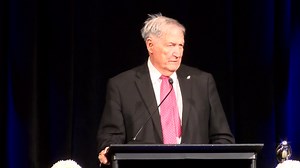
177 156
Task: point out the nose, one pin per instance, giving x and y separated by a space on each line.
177 52
177 55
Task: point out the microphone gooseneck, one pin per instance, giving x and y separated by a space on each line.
171 83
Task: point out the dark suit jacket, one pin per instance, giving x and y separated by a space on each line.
131 101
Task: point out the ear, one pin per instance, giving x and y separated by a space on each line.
149 44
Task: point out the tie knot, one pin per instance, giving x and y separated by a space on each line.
164 77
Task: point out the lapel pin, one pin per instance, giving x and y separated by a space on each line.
188 77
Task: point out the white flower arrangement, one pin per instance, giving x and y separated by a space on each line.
289 164
66 164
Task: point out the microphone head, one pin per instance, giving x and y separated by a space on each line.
171 81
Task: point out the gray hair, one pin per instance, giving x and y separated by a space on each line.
156 23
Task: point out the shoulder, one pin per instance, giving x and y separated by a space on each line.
186 70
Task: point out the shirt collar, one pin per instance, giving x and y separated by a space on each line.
155 74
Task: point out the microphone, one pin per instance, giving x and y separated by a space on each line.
171 83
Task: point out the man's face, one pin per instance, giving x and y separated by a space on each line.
166 51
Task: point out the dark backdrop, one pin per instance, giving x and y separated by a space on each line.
56 57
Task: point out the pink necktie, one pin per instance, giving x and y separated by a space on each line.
170 120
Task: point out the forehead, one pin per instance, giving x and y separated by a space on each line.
173 33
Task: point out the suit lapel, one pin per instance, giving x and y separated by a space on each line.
144 85
185 81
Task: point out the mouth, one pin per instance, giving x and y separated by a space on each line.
173 60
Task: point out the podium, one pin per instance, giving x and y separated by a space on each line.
182 155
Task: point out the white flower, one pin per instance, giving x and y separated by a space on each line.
289 164
66 164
